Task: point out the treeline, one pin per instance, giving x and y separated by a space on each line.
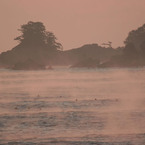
133 54
39 48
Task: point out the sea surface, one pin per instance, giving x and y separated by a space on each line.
72 107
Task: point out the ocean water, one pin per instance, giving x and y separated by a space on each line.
72 107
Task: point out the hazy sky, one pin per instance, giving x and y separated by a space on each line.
74 22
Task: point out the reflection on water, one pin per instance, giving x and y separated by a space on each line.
72 107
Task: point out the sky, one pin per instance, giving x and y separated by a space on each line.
74 22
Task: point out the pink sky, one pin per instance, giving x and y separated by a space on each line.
74 22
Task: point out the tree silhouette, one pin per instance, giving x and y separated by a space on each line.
142 46
136 37
109 44
51 41
35 34
130 50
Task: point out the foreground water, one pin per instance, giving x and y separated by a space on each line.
72 107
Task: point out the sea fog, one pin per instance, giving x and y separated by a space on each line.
73 106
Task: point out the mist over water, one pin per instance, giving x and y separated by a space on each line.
73 105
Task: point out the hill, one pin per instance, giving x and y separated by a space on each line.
41 47
89 51
44 56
